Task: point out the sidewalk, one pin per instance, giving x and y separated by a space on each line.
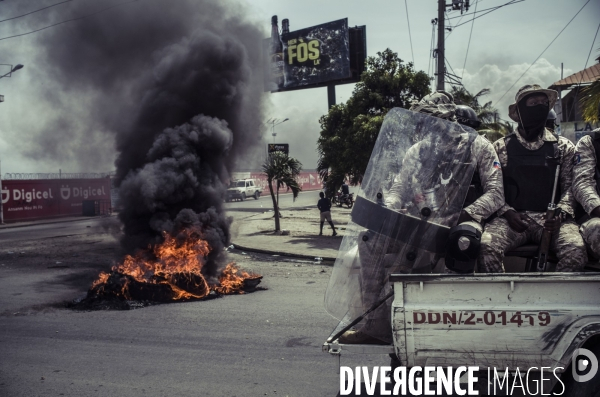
256 233
49 221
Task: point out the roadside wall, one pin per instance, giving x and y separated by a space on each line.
575 130
48 198
309 180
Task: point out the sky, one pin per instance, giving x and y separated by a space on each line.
503 45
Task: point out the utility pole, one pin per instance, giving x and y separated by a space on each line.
456 5
441 67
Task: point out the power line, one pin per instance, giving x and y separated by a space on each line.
539 56
450 66
581 79
486 9
32 12
409 35
69 20
503 5
450 32
469 44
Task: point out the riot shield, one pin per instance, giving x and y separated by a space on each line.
412 193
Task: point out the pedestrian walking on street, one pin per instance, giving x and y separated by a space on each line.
324 206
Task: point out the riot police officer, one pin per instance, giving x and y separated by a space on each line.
586 187
529 158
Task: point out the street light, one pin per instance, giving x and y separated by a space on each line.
17 67
273 123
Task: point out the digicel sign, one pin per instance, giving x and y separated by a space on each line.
37 199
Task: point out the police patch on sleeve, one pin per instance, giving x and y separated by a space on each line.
497 165
576 158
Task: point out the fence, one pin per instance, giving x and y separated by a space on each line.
59 175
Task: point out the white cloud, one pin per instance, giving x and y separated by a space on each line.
500 80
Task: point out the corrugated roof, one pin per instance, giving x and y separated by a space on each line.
585 76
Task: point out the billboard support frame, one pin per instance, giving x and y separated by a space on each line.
331 95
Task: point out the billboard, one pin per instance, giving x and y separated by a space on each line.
47 198
279 147
314 57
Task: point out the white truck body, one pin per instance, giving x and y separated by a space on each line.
509 320
519 320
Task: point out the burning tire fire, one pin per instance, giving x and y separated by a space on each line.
168 272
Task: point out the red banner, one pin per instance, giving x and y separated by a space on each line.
47 198
307 180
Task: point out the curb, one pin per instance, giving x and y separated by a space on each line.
281 253
49 222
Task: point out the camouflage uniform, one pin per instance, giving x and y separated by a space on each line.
498 237
439 104
490 174
374 278
584 190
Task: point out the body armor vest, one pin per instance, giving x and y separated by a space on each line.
529 175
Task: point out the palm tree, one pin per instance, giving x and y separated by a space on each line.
590 102
486 113
284 170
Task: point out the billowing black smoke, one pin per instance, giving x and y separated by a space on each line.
176 85
180 186
203 102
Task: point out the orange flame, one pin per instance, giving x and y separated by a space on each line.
176 265
232 280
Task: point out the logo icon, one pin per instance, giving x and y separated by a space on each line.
5 196
65 192
584 365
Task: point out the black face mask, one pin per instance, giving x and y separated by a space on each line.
533 120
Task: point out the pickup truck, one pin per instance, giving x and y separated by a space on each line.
517 321
243 189
403 223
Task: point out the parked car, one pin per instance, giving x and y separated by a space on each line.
243 189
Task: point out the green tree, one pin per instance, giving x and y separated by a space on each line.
284 171
349 130
491 125
590 102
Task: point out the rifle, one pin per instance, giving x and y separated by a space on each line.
551 212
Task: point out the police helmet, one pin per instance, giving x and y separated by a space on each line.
467 116
551 120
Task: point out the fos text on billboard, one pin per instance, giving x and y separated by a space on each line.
311 57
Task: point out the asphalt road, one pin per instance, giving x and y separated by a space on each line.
258 344
51 230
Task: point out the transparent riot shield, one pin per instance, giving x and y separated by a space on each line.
412 193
